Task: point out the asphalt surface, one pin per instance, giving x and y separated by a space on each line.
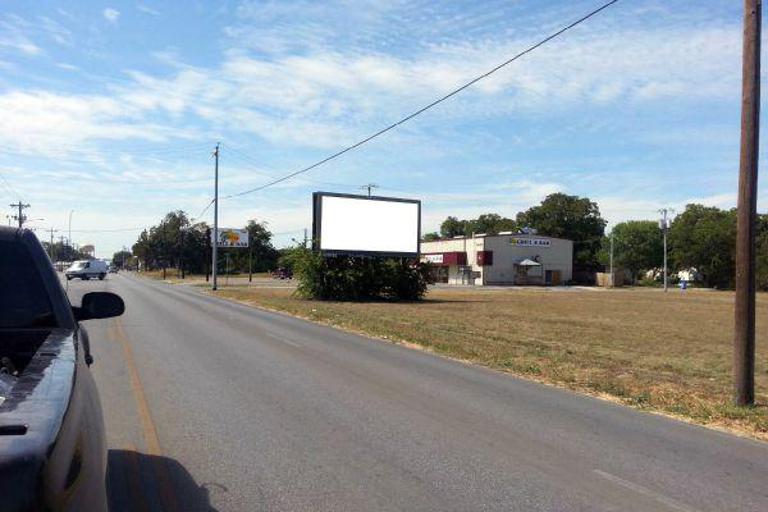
211 405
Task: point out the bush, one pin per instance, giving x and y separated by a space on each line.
358 278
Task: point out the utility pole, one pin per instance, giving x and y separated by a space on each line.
181 253
250 261
69 239
369 186
21 206
305 236
744 328
215 244
664 226
50 247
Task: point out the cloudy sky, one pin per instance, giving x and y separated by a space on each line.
112 109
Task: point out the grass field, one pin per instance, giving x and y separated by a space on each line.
172 275
669 353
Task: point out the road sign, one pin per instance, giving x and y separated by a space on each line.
231 237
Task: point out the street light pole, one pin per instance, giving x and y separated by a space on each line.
664 225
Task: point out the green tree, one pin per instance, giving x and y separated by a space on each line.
704 238
638 246
487 223
264 255
121 257
64 252
172 241
571 217
490 224
452 227
762 252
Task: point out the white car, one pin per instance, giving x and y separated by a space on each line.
86 269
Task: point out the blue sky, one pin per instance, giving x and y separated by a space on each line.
112 109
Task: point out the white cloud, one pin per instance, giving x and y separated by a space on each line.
111 15
147 10
56 31
44 122
67 67
325 97
13 35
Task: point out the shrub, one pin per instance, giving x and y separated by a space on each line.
359 278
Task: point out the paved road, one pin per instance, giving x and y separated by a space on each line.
215 406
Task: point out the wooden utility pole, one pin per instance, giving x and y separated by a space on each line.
215 246
20 217
50 247
250 261
744 329
369 187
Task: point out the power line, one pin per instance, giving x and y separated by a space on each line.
247 158
427 107
200 215
115 230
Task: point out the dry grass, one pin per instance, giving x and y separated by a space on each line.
172 276
669 353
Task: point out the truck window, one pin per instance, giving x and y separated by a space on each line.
24 301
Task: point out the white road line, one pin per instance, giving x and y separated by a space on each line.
669 502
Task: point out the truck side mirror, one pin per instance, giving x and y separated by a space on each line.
99 305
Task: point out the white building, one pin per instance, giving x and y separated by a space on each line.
503 259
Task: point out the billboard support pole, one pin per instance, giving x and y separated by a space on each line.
215 242
250 262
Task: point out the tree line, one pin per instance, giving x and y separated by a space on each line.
63 251
701 238
177 242
559 215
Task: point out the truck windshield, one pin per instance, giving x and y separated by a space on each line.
24 301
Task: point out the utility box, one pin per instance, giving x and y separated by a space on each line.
606 280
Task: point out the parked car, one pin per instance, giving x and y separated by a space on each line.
86 269
282 273
52 444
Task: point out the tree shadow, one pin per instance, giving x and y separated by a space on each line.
140 482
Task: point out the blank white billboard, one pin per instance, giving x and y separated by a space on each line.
363 225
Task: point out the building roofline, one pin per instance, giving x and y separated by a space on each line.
515 235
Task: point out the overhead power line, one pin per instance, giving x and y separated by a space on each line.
115 230
426 107
202 212
250 159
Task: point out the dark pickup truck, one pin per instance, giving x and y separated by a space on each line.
52 443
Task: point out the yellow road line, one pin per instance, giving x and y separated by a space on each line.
147 425
165 486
